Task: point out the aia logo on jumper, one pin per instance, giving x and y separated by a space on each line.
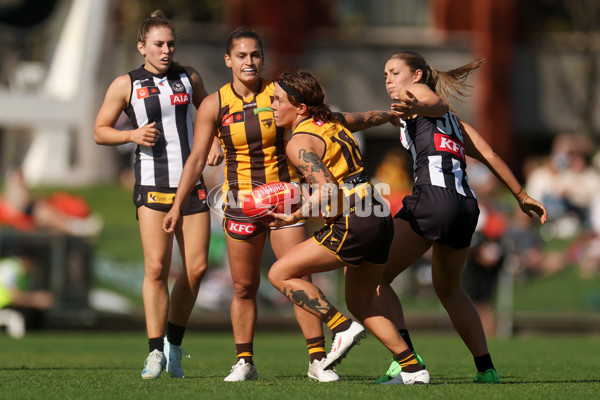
449 144
147 91
233 118
318 123
240 228
180 98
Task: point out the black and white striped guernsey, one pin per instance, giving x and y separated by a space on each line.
438 153
166 100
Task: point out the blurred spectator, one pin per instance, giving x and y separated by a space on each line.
484 262
21 304
543 176
580 182
59 213
527 244
566 182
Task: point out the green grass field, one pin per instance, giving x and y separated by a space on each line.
65 365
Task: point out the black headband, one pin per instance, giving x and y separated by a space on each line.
293 93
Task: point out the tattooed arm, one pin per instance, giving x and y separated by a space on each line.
417 99
360 121
304 151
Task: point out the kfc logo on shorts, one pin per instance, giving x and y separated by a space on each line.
447 143
201 194
181 98
240 228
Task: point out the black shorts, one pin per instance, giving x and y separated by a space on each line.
240 227
441 215
355 239
161 199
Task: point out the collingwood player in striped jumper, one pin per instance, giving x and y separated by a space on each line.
158 99
358 228
442 212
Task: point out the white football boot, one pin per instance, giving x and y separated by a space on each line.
154 364
409 378
316 372
342 343
242 371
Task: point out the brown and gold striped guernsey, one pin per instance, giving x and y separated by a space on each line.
254 147
342 156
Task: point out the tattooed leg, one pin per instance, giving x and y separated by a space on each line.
318 306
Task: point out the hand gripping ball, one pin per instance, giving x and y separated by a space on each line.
280 197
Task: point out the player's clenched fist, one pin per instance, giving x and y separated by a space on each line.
146 135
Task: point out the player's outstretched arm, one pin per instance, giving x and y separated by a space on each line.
355 122
478 148
419 99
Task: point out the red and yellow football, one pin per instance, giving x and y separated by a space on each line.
280 197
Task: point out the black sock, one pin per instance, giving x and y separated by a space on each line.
156 344
406 337
483 363
175 334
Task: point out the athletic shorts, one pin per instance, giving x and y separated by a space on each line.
161 199
240 227
441 215
355 239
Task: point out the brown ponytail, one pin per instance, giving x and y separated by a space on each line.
449 85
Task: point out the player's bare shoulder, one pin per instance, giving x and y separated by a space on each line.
119 91
209 110
121 84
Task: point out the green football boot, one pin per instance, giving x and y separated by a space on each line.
489 376
393 371
395 368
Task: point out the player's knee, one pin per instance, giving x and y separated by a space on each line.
275 276
154 270
245 291
196 271
446 292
